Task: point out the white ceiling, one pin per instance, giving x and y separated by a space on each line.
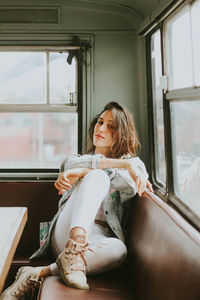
142 7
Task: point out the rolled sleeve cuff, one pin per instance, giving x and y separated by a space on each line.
94 161
111 173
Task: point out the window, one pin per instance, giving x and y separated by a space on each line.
179 50
38 109
185 120
181 97
195 22
182 67
158 122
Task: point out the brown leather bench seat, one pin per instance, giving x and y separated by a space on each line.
163 262
164 250
107 286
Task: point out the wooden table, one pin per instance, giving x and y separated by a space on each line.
12 222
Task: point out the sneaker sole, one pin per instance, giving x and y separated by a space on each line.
64 279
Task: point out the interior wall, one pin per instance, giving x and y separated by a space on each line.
118 59
115 77
120 75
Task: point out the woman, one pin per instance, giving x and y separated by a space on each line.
86 235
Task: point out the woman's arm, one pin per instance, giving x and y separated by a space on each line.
135 167
68 178
97 161
106 163
81 161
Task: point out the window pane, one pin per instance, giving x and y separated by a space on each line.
195 13
179 50
36 140
22 77
186 151
62 77
158 108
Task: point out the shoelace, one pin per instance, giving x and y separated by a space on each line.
23 288
78 249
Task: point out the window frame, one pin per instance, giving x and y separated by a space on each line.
167 192
150 108
82 107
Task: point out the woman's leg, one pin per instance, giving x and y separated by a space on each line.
81 208
105 251
74 224
79 212
108 252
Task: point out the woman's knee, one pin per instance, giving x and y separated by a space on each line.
118 250
99 176
109 253
114 249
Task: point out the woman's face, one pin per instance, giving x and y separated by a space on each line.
104 133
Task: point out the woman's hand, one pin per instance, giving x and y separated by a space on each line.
65 181
68 178
140 179
149 186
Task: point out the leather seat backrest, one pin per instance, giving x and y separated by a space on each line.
164 252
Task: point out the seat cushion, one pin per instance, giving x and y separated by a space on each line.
108 286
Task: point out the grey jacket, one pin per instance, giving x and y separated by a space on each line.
113 204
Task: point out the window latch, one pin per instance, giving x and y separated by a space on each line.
73 98
164 83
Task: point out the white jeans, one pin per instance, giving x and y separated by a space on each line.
80 211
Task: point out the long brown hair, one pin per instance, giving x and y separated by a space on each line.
126 141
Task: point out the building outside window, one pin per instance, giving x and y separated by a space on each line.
38 109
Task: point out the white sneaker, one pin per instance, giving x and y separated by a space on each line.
72 265
26 278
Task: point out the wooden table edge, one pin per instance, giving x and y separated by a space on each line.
19 225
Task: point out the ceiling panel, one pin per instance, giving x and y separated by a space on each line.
143 7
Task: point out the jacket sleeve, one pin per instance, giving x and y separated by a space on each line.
122 181
77 161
